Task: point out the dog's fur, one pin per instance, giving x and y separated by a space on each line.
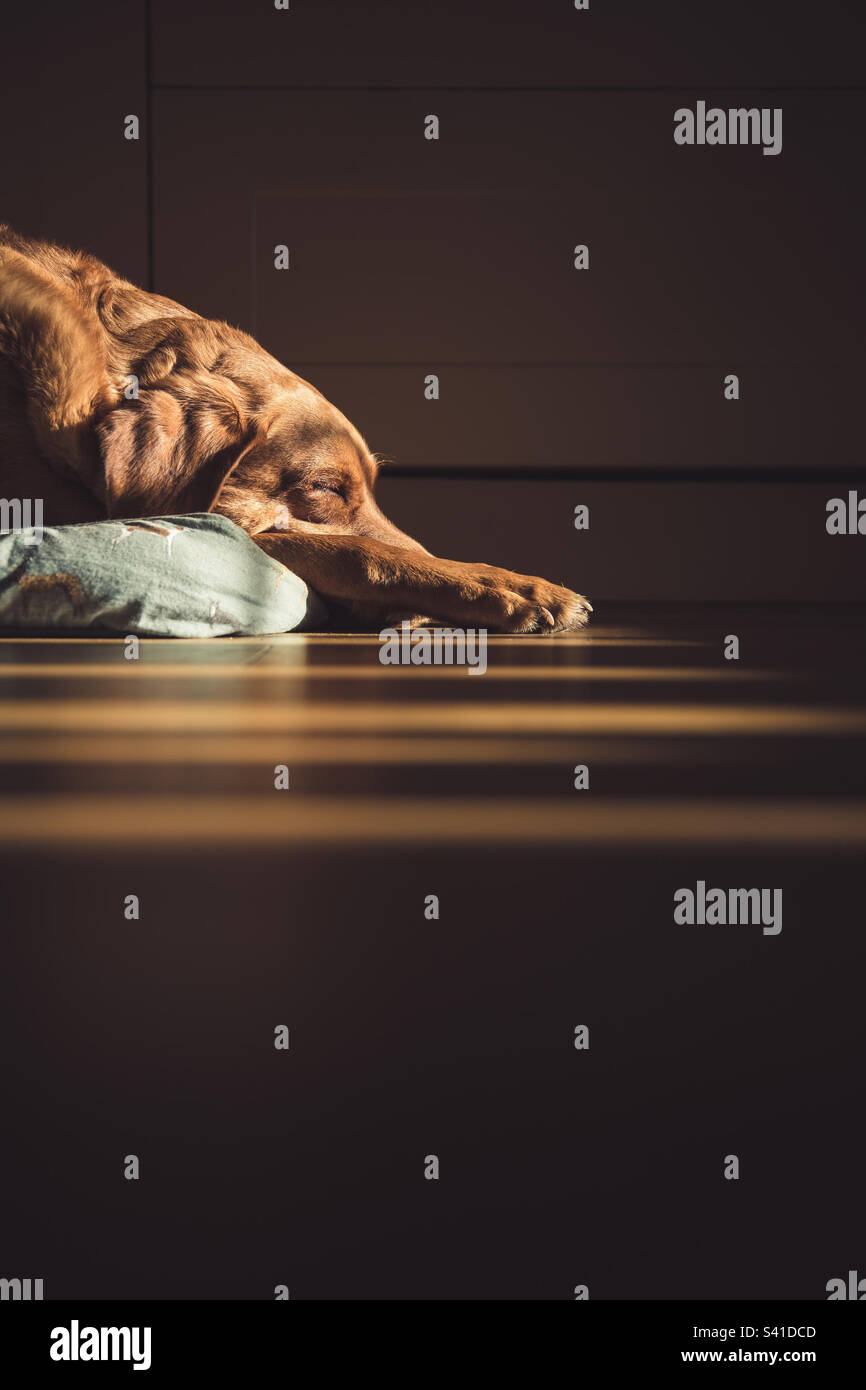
217 425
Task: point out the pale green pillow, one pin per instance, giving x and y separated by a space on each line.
198 575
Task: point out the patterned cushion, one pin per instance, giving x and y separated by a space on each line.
198 575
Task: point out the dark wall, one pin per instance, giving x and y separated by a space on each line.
410 257
71 74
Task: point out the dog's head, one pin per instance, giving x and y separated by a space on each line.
217 424
307 465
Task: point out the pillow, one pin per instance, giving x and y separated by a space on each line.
197 575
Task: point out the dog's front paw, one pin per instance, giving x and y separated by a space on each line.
524 603
560 610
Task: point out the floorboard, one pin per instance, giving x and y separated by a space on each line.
414 1033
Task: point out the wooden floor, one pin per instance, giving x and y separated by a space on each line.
681 744
414 1033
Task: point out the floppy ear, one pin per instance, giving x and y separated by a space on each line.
172 449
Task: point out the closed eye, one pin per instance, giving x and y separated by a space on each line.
337 489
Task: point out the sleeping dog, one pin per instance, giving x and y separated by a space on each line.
115 402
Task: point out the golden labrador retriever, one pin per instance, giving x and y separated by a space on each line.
115 402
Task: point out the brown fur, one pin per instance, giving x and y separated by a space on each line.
218 424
